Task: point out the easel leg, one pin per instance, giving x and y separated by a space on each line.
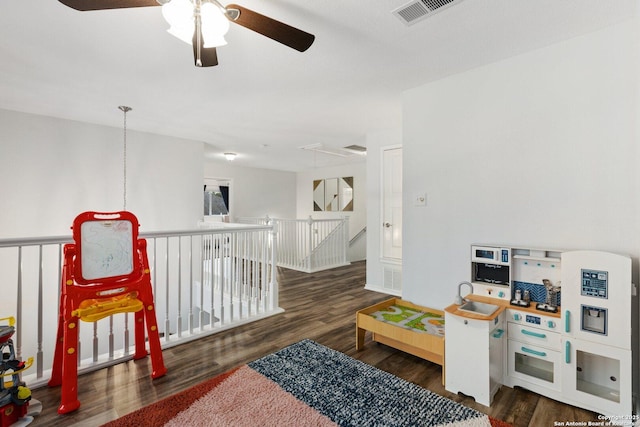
155 350
56 370
69 392
141 350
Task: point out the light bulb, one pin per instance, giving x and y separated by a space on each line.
214 25
178 12
179 15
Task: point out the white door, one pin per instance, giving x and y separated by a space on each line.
597 377
392 203
596 297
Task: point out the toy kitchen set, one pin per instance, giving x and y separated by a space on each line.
557 323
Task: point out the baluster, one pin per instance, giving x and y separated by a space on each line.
211 283
18 345
155 280
255 262
167 323
246 281
95 342
294 235
202 282
179 313
273 288
345 258
221 279
125 334
246 272
265 270
155 269
190 285
111 342
39 354
233 256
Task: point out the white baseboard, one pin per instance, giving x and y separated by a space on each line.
382 290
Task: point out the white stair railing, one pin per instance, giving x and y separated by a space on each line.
331 251
204 281
309 244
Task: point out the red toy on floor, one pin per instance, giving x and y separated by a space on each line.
14 394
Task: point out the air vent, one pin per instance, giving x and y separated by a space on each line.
392 277
416 11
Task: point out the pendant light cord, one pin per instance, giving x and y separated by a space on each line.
124 109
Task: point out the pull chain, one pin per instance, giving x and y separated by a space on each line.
124 109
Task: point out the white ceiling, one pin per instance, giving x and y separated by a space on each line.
264 100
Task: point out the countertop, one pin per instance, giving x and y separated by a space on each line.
503 304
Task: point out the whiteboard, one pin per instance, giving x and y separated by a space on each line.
106 249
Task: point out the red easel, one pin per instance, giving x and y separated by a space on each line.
106 271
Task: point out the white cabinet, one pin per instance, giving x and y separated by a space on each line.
596 310
474 356
531 365
597 376
533 352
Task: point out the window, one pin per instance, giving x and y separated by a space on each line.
216 200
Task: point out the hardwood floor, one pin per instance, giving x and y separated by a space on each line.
319 306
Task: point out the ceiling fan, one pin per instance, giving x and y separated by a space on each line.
203 23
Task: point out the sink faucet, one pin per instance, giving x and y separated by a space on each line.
459 300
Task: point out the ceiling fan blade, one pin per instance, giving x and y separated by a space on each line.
275 30
208 57
202 56
85 5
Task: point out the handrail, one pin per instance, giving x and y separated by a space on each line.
357 236
35 241
54 240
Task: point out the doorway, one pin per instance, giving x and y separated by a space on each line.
392 203
391 215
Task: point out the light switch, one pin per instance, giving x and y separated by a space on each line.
420 199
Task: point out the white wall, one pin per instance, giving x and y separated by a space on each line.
256 192
304 202
537 150
53 169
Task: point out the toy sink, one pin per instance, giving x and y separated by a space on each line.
481 308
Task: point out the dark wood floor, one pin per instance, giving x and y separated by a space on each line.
318 306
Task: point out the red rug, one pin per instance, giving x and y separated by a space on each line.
290 388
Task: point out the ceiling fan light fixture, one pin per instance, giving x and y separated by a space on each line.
178 12
203 23
214 25
180 15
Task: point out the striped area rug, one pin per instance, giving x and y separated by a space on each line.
307 384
